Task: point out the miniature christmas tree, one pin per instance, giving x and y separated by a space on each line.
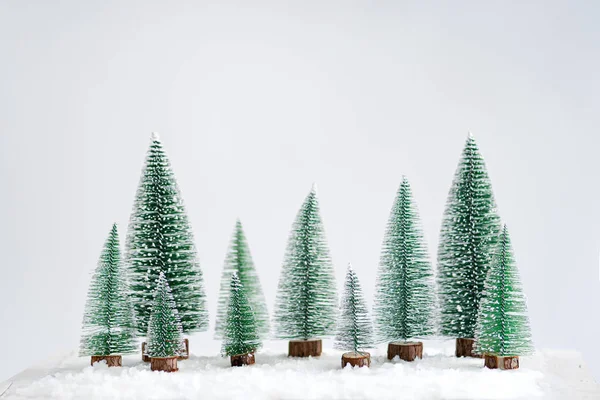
306 298
239 260
354 329
404 303
165 334
241 330
160 240
503 331
108 324
469 235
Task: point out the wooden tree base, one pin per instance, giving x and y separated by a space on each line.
496 362
407 351
464 348
242 359
166 364
305 348
184 356
111 361
356 359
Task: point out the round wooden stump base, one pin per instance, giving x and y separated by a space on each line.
166 364
464 348
407 351
111 361
495 362
305 348
242 359
356 359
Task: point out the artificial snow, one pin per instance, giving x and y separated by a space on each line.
206 375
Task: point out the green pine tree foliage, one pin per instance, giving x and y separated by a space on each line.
305 305
469 235
404 302
160 240
240 333
354 328
503 326
165 333
239 260
108 323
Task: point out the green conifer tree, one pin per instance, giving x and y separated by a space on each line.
239 260
469 235
160 240
354 328
404 301
165 334
108 324
503 326
240 333
305 305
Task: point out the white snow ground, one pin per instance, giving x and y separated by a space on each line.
547 375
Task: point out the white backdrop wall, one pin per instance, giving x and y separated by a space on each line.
255 103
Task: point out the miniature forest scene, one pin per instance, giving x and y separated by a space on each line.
404 303
240 333
503 332
469 235
108 324
354 329
305 306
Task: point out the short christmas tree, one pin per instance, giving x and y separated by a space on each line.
160 240
354 328
240 333
503 326
108 324
305 305
469 235
165 334
404 303
239 260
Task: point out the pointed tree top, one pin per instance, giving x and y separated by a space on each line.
350 267
470 135
314 188
154 136
114 228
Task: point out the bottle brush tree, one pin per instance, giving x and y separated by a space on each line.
469 235
239 260
160 240
108 324
165 334
503 331
240 333
305 305
404 302
354 328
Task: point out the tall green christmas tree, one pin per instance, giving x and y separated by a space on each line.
241 329
469 235
305 305
503 326
160 240
239 260
108 324
354 328
404 302
165 334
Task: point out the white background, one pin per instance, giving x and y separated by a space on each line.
255 103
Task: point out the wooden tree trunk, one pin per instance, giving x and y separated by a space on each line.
495 362
356 359
407 351
111 361
305 348
166 364
242 359
464 348
184 356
